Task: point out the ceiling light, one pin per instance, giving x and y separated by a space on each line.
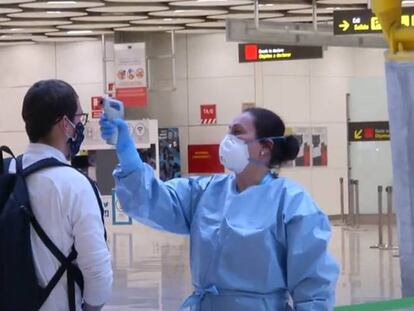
334 2
188 13
33 23
9 10
61 2
273 7
128 9
47 14
79 32
167 21
26 30
209 3
17 37
65 39
94 26
245 15
62 5
109 18
149 28
15 1
139 1
217 24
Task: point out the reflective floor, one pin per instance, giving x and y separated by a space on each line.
151 268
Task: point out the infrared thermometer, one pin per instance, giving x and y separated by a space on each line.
113 109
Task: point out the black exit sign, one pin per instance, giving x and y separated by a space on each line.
252 52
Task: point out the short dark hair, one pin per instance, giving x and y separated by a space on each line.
46 103
269 124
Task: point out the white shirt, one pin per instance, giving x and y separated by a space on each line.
66 207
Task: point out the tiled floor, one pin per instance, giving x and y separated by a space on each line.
151 268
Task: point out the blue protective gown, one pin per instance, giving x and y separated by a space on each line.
259 250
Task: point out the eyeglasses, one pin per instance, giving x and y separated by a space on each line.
83 118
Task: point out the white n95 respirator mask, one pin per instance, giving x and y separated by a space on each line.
234 154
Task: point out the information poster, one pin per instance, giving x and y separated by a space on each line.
288 131
130 74
107 204
170 162
319 146
118 215
204 159
304 137
139 130
148 156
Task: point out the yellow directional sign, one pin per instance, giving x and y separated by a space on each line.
358 134
368 131
345 25
364 21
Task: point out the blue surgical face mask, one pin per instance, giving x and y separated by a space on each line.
234 153
76 141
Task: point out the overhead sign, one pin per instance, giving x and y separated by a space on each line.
264 52
368 131
364 21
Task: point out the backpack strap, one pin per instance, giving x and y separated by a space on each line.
52 162
4 163
73 272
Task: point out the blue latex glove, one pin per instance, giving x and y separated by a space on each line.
128 156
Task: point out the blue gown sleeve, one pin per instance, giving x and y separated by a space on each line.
311 271
166 206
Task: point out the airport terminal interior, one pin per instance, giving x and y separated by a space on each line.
185 69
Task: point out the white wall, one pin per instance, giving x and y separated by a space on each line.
21 66
304 93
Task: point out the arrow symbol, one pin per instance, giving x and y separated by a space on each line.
358 134
344 26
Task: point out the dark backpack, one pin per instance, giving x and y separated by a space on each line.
19 288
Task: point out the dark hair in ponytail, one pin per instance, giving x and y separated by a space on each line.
269 124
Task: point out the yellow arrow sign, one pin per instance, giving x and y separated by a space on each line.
344 26
358 134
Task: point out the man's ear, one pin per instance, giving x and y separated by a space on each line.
63 124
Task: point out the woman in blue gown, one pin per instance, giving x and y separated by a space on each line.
258 242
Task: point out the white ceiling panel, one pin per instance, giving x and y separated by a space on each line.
245 15
93 26
26 30
47 14
149 28
273 7
129 9
109 18
210 3
62 4
188 13
167 21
